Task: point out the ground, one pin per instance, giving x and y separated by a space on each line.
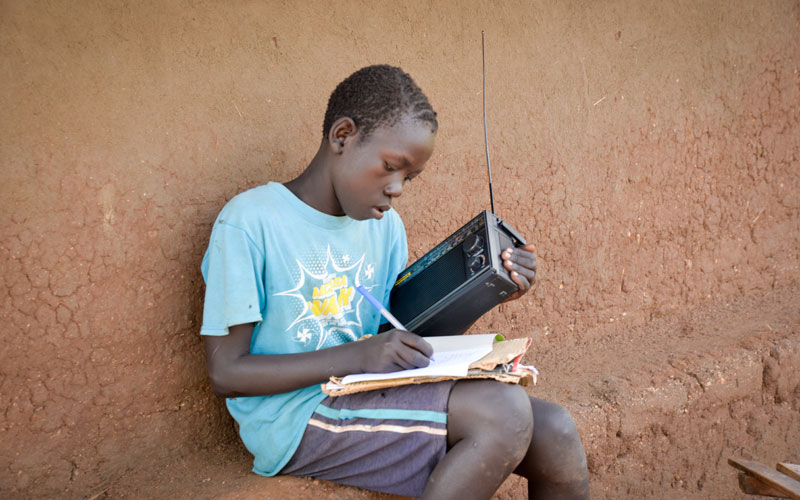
660 407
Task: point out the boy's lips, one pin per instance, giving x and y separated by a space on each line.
380 209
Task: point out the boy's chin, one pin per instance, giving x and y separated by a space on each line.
371 213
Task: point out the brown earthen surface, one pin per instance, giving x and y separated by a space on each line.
651 151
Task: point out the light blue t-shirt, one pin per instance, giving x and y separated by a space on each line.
277 262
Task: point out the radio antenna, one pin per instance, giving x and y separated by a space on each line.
485 133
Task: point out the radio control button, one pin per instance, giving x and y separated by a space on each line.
473 244
476 263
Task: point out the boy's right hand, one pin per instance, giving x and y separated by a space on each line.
393 351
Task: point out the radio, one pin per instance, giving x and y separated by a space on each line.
463 277
458 281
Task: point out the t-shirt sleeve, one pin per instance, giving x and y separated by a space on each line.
233 269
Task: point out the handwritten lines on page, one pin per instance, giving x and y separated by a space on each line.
452 354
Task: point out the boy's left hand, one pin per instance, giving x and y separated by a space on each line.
521 263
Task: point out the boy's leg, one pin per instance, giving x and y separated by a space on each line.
489 427
491 433
555 463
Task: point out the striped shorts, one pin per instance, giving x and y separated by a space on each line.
386 440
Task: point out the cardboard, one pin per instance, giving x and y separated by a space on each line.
501 364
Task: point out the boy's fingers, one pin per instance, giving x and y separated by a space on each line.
419 344
408 350
411 358
525 272
521 262
524 284
520 256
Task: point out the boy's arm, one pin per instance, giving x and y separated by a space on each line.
235 372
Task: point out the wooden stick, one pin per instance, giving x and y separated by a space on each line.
789 487
754 486
791 470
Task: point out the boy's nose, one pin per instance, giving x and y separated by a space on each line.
394 189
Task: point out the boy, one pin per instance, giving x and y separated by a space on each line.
281 316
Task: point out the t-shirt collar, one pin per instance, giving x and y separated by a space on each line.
310 213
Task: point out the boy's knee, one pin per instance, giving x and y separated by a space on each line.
559 424
494 411
557 438
509 412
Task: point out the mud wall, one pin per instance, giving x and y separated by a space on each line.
650 151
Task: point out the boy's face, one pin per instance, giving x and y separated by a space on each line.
372 172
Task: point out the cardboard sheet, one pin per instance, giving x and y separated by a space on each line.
500 363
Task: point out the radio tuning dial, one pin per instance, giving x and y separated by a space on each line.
473 244
476 262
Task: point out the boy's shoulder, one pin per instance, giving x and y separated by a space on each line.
254 198
251 204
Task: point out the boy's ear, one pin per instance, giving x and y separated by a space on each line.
342 132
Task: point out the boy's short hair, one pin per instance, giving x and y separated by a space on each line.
375 96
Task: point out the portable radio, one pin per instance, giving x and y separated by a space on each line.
461 278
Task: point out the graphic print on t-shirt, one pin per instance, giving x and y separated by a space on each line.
327 304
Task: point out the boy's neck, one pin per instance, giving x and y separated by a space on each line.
314 187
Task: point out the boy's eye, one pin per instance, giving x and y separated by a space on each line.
388 167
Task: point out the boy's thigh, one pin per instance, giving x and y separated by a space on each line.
387 440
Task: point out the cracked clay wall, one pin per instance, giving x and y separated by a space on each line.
650 151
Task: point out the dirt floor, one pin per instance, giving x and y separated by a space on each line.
650 150
660 408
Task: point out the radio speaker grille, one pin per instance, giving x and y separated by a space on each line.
430 286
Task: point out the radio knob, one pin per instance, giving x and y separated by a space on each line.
476 263
473 244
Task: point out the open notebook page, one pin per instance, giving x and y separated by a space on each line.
452 356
